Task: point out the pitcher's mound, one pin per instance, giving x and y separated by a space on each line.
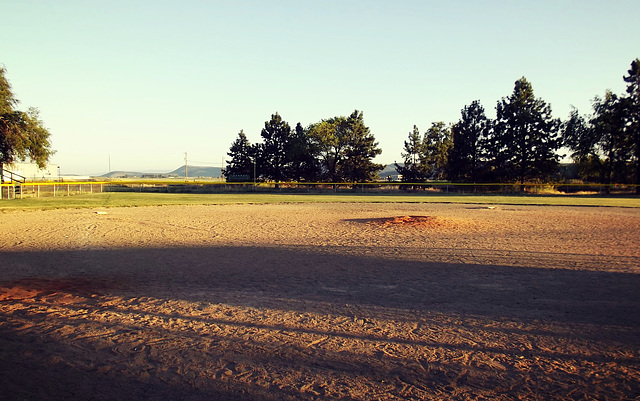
407 221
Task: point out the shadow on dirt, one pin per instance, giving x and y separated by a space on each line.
303 280
294 276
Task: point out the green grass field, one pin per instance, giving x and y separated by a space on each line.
132 199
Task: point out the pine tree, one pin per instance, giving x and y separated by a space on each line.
467 158
360 151
242 165
304 166
275 149
525 138
414 168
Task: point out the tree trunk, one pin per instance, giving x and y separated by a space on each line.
637 177
608 172
607 179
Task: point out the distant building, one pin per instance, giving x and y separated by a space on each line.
31 171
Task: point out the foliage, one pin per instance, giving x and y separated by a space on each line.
360 150
304 165
338 149
633 126
467 158
606 144
7 99
609 138
437 143
22 134
414 168
525 137
329 138
427 157
276 158
345 148
599 143
577 135
243 159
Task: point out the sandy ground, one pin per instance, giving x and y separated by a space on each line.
321 301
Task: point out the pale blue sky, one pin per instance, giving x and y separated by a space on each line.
145 81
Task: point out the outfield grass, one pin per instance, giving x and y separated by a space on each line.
130 199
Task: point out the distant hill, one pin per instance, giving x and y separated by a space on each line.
122 174
196 171
389 170
210 172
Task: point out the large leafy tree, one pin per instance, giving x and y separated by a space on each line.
243 159
436 143
22 134
277 136
467 158
633 106
329 139
525 137
345 148
7 100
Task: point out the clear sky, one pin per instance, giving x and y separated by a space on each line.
142 82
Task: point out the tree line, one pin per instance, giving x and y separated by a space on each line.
337 149
520 145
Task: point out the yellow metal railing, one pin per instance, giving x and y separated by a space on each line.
37 189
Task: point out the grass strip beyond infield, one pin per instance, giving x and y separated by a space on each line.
128 199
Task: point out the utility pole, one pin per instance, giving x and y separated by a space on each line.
186 167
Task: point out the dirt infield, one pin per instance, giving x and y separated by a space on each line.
320 301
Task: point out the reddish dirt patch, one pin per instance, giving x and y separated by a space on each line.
60 290
407 221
